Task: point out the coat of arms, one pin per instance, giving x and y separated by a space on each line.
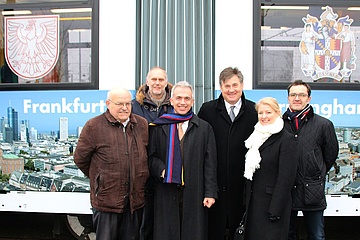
327 46
31 45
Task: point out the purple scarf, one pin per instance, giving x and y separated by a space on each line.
173 172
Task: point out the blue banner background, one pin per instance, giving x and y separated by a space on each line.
341 107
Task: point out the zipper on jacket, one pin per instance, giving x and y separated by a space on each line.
129 163
126 143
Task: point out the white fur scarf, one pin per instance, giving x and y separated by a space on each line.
254 142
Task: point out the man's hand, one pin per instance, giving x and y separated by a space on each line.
208 202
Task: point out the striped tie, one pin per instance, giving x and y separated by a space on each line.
232 114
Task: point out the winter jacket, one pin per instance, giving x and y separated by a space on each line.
318 151
114 158
143 106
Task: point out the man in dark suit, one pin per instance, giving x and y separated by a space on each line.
230 136
182 160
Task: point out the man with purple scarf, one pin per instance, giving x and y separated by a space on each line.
182 159
318 149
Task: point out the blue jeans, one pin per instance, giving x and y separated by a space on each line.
314 225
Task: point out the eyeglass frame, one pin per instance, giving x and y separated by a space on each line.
300 95
121 104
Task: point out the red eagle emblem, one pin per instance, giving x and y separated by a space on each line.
32 45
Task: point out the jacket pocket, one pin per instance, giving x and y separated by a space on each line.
314 191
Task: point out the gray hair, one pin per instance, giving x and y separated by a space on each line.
182 84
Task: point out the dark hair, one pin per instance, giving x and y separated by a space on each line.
228 73
297 83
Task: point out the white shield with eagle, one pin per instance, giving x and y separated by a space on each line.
31 45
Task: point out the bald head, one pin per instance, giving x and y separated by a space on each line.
118 91
119 103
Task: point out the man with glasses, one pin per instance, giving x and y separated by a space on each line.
182 159
318 151
112 153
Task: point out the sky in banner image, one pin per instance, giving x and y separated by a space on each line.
43 109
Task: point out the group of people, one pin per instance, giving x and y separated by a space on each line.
159 171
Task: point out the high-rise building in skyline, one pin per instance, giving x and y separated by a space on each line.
33 134
23 136
9 134
78 131
2 129
63 128
13 122
27 125
347 135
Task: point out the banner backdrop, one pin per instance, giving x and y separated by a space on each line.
43 109
49 115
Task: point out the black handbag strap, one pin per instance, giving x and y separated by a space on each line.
243 218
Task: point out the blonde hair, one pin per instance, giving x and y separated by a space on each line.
272 102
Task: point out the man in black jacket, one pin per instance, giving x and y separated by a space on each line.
230 136
318 151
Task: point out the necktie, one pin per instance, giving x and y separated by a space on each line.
232 114
180 131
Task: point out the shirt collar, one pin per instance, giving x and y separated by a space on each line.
125 123
237 105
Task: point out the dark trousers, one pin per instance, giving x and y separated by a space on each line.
117 226
147 225
314 225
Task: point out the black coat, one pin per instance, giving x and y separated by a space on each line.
270 190
319 149
231 150
199 162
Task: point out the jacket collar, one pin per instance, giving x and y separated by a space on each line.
220 105
311 113
142 94
221 102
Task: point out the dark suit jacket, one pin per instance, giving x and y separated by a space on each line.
230 137
199 162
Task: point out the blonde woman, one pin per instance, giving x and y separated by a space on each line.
270 169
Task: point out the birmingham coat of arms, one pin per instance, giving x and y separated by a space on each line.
327 46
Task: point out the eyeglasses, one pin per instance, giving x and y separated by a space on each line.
300 95
120 104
